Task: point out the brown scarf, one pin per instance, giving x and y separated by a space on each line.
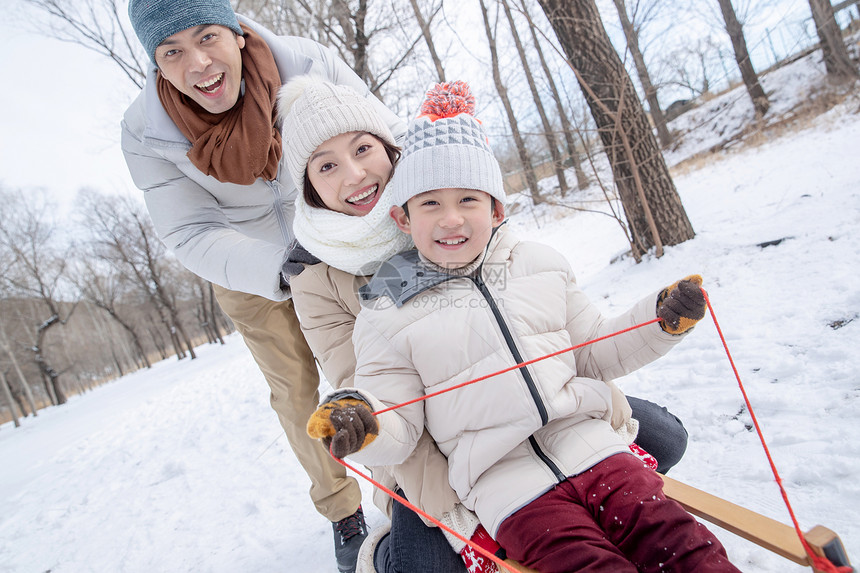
242 143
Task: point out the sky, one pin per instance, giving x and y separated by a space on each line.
184 467
62 107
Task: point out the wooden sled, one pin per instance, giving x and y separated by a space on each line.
763 531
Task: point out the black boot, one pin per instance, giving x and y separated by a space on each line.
349 534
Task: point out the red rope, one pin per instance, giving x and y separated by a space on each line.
818 562
426 516
515 367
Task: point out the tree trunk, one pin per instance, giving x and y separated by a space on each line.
7 392
181 330
117 363
836 60
103 329
428 39
25 386
567 128
213 312
19 399
632 36
158 343
549 133
174 339
162 299
525 161
655 215
50 374
742 57
132 333
361 42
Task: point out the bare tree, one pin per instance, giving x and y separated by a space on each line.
7 393
355 36
7 261
742 57
97 25
631 34
525 160
103 286
351 27
566 127
127 240
282 17
652 206
690 65
38 271
836 60
549 133
424 24
205 309
6 346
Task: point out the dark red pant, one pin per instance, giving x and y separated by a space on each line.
611 518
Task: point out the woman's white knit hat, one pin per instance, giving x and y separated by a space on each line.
313 111
446 147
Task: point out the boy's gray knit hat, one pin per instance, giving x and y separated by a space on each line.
446 147
313 111
156 20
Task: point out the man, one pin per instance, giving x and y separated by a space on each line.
201 141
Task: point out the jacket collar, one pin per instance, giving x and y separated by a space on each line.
402 277
406 275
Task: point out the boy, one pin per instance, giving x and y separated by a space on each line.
532 451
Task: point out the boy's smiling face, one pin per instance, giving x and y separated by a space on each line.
450 227
349 172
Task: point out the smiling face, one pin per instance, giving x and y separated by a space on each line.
451 227
349 172
204 63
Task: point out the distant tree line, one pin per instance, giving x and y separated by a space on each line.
89 299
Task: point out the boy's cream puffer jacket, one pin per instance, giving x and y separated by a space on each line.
512 437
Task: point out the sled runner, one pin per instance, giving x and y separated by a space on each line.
768 533
763 531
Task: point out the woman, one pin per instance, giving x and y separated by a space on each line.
341 155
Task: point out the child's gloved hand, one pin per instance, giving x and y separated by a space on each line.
345 426
681 305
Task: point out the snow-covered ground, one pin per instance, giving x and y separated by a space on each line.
184 467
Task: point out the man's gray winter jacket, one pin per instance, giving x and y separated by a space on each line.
233 235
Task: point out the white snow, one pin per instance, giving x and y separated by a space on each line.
184 467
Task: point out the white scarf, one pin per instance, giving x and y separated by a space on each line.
356 245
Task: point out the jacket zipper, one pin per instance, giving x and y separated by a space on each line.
527 376
275 186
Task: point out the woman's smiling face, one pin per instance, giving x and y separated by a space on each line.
349 172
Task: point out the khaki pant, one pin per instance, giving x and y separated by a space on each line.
272 333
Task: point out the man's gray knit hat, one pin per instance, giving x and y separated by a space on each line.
313 111
446 147
156 20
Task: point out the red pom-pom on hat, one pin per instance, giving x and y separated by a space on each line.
447 100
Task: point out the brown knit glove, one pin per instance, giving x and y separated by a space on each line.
681 305
345 426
